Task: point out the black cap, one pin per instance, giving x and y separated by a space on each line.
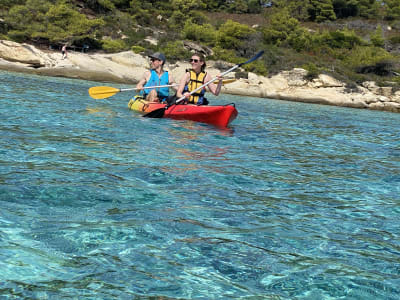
159 56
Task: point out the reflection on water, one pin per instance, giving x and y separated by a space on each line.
293 201
192 130
100 111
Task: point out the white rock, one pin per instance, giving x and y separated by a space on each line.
324 80
376 106
253 78
15 52
369 85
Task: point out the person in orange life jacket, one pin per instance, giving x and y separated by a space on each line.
195 78
154 77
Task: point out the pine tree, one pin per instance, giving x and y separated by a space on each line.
392 9
321 10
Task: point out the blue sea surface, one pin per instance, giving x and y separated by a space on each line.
292 201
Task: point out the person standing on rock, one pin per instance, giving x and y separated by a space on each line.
64 51
154 77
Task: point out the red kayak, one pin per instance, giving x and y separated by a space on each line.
218 115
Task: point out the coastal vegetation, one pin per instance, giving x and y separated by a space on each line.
353 40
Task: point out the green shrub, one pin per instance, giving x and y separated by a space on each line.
198 18
225 54
230 35
112 46
137 49
395 39
312 71
361 58
175 51
18 36
280 27
377 38
42 20
339 39
300 40
177 20
257 68
397 81
201 33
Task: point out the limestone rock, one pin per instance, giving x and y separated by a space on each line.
278 81
197 48
254 78
385 91
391 106
15 52
130 59
325 81
295 77
370 98
370 85
376 106
151 40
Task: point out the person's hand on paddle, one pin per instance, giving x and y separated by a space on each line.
140 86
187 96
220 80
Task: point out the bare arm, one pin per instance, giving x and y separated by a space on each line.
182 83
171 81
142 82
212 87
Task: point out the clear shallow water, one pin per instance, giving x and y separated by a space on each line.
293 201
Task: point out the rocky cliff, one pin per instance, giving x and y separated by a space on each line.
128 67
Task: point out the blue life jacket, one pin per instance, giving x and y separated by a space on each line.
154 80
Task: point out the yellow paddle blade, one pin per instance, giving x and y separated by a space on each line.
225 81
229 80
101 92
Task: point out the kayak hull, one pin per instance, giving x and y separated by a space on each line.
218 115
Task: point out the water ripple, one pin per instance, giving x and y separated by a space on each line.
294 201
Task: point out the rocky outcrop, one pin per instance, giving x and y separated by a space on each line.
128 67
323 90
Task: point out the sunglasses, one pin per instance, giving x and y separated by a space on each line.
153 59
193 60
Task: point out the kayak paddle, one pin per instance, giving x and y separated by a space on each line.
159 113
101 92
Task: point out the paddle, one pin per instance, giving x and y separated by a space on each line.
226 81
101 92
159 113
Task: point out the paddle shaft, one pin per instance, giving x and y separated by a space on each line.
167 85
101 92
148 87
162 86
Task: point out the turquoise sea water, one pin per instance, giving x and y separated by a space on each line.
293 201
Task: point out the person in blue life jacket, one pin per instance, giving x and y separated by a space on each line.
196 77
156 76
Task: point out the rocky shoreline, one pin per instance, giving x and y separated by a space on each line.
127 68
